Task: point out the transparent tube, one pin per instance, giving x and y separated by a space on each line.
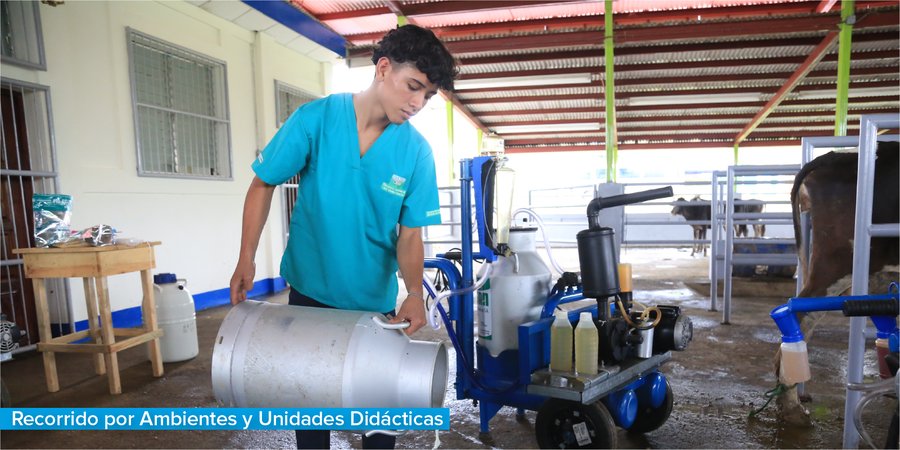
433 317
873 391
540 224
505 180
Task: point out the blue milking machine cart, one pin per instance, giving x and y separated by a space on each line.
508 365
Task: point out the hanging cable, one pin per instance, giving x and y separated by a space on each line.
540 224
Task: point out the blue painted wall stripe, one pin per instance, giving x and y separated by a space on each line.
291 17
131 317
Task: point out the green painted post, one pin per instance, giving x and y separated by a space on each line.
736 154
612 147
843 75
452 158
402 20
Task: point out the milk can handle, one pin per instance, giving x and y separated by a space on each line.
390 326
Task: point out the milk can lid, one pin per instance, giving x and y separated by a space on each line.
164 278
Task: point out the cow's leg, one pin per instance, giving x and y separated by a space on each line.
694 244
703 236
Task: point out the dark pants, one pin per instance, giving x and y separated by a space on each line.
322 438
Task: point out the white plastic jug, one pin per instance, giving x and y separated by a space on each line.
269 355
176 317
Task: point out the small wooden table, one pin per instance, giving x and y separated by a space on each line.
93 265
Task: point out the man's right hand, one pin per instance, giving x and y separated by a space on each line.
242 281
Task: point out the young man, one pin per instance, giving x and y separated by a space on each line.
363 170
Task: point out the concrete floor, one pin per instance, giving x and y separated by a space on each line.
720 378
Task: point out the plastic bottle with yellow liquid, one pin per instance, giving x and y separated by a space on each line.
587 345
561 343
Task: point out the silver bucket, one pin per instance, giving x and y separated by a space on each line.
268 355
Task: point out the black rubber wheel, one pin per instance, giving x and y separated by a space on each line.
650 418
568 424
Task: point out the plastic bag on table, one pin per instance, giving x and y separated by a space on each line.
52 214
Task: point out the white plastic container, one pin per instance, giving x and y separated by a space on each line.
177 318
268 355
561 342
587 345
515 293
794 363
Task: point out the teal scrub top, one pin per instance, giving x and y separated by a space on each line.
342 249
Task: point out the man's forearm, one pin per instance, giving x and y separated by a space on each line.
411 259
256 211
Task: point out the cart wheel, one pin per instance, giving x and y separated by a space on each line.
568 424
650 418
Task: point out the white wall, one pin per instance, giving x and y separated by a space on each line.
198 221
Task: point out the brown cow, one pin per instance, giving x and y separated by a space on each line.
700 211
826 188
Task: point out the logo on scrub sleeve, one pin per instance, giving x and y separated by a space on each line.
396 186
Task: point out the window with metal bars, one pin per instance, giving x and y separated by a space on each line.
287 99
27 167
180 110
21 42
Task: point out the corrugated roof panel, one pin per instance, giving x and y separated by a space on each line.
587 90
872 46
336 6
631 6
682 123
715 55
512 14
675 111
860 64
529 51
532 65
368 24
512 119
559 104
704 71
676 86
588 135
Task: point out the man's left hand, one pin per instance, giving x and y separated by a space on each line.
413 311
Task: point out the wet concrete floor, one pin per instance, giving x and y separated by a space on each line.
717 382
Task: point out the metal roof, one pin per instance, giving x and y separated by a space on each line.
688 73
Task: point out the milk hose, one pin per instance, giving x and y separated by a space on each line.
540 224
433 317
469 368
873 391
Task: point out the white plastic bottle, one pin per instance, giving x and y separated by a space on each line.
794 363
561 343
587 343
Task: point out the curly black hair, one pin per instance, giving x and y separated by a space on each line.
422 48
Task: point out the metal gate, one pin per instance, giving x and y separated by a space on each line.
28 166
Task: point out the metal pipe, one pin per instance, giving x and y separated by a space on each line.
714 238
729 247
848 17
612 148
862 241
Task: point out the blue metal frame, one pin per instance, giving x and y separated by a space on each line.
286 14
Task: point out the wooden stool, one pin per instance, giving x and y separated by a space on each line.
94 264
